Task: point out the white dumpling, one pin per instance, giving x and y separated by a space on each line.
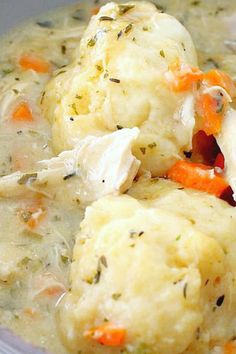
119 80
146 250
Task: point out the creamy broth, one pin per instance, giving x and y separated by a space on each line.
34 264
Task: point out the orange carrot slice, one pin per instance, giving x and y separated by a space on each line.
219 78
198 176
53 291
22 113
107 334
230 348
33 214
184 77
31 62
211 110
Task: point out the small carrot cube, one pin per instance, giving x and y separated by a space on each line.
22 113
219 78
31 62
197 176
107 334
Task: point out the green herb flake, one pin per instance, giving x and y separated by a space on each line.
45 24
28 177
128 28
195 3
91 42
119 127
117 81
152 145
106 18
103 261
98 274
145 29
15 91
60 73
185 290
70 175
63 49
65 259
178 237
116 296
7 71
123 9
73 106
162 53
143 150
119 34
99 67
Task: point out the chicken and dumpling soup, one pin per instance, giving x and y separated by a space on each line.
117 178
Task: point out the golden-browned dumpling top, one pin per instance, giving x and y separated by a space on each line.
120 79
152 276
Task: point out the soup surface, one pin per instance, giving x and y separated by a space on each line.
37 233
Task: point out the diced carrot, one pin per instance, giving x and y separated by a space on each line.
22 113
204 148
107 334
198 176
211 110
230 348
220 161
184 77
95 10
53 291
31 62
219 78
33 214
30 312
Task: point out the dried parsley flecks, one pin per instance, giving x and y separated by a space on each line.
143 150
119 34
65 178
122 9
92 42
45 24
103 261
99 67
185 290
63 49
162 53
178 237
106 18
128 28
116 296
73 106
220 300
152 145
117 81
119 127
28 177
133 234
